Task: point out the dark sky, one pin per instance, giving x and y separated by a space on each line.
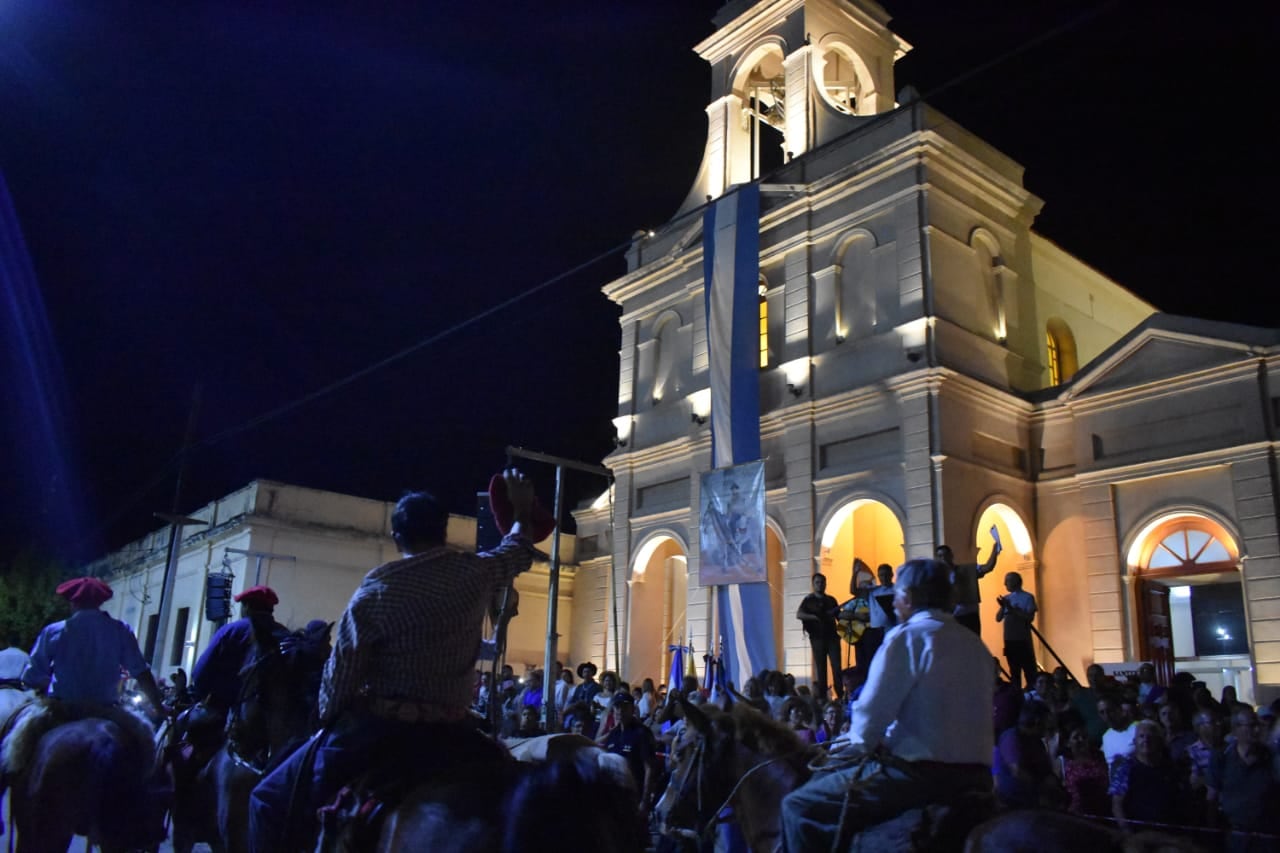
261 199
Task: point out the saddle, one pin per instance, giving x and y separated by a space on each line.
354 818
39 717
935 828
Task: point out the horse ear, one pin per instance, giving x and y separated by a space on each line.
693 716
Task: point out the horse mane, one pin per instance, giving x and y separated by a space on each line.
756 731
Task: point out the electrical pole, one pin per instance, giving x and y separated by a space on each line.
176 522
553 582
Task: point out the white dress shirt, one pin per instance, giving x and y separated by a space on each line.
928 694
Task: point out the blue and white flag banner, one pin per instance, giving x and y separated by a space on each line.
675 677
731 261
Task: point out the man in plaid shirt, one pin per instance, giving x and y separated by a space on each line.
403 663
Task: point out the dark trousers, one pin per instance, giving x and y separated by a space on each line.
825 649
858 795
867 648
970 621
1022 662
280 820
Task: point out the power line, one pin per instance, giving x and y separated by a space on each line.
324 391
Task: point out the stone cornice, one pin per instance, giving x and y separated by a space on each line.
1177 464
1146 392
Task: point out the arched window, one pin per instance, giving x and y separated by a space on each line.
1060 346
764 322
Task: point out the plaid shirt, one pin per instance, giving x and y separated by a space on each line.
412 629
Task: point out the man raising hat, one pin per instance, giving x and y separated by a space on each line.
80 659
215 680
398 683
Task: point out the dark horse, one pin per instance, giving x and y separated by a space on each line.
504 806
739 759
276 711
744 760
83 772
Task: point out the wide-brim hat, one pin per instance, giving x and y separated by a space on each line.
583 668
84 592
260 597
541 522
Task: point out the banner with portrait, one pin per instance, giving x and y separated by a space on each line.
731 538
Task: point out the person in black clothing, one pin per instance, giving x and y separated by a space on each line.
817 612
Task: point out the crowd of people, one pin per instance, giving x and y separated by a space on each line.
930 712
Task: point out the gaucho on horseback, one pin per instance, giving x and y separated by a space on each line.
77 728
397 685
215 679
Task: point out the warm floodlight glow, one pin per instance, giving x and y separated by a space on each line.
1019 536
915 334
622 425
700 404
797 373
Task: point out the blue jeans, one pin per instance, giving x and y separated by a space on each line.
354 744
860 795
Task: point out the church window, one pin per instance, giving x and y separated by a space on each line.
1060 345
763 90
1055 366
764 322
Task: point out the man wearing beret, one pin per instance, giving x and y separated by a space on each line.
920 730
215 680
81 658
398 684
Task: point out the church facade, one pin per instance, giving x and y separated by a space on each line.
931 371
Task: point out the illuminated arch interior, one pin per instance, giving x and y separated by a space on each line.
1017 555
659 603
865 529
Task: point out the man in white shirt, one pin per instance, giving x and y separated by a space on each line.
1118 738
920 731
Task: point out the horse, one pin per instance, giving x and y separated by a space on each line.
743 760
82 771
279 686
739 759
501 807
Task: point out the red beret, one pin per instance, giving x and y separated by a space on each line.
540 525
85 592
259 596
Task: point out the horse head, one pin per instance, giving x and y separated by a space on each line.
279 689
738 758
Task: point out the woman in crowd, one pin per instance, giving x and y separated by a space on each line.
1145 785
1084 775
800 718
647 701
829 728
1020 763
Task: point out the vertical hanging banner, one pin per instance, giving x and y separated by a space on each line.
731 269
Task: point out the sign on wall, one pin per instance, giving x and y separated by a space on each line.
731 544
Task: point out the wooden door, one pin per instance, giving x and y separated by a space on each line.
1157 629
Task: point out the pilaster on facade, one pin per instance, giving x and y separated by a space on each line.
1254 486
800 103
1108 601
796 303
922 479
617 590
801 544
627 368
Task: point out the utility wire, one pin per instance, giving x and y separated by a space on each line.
324 391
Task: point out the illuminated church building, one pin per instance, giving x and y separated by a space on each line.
930 367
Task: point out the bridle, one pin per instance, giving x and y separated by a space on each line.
695 768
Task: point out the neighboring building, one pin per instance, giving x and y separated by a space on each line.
316 547
931 369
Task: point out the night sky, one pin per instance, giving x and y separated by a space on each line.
263 199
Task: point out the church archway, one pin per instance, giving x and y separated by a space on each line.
867 529
657 608
1017 555
1188 601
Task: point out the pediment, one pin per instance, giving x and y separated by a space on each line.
1167 347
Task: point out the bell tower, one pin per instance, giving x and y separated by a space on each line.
788 76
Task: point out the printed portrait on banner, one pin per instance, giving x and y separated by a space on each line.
732 526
